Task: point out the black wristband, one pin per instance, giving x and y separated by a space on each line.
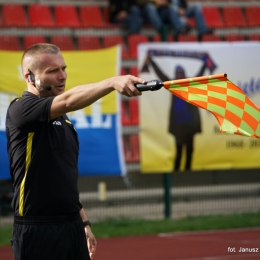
86 223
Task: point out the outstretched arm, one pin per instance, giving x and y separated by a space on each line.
84 95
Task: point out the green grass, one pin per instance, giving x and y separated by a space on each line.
133 227
5 235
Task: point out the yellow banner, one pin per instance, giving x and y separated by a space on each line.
83 67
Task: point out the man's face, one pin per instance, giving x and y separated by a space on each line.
51 71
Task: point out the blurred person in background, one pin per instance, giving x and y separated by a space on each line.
169 16
184 123
133 14
126 14
187 11
184 119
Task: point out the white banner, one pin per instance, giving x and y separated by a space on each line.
163 148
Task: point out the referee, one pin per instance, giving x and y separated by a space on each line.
49 220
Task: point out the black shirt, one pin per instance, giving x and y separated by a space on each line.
43 158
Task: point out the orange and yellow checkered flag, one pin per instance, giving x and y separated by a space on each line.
235 112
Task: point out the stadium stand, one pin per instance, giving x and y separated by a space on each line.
133 71
40 16
187 38
14 15
66 16
64 42
9 43
254 37
131 148
211 38
91 16
233 16
88 42
234 37
110 40
134 111
213 17
133 40
158 38
252 15
29 40
125 114
130 112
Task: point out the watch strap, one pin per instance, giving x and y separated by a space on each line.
86 223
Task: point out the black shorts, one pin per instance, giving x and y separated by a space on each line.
49 238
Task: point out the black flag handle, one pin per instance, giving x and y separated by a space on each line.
149 85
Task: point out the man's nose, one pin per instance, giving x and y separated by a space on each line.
62 75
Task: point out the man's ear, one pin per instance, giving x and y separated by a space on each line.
30 77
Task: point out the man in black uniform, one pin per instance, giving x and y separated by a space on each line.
49 221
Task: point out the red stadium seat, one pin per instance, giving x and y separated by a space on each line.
111 40
211 38
29 40
88 42
127 149
254 37
233 16
9 43
64 42
66 16
133 40
123 71
234 37
134 111
40 16
131 148
14 15
158 38
187 38
134 146
91 16
106 14
252 14
130 112
212 17
133 71
125 115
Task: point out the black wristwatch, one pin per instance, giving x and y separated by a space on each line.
86 223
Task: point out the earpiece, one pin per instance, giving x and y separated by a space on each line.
30 77
37 82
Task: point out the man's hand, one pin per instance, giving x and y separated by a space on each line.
125 85
181 12
91 242
121 16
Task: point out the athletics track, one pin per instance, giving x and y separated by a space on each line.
204 245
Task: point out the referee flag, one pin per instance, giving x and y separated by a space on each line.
235 112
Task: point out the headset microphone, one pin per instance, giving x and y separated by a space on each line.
47 88
38 82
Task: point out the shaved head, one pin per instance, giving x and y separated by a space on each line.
30 59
